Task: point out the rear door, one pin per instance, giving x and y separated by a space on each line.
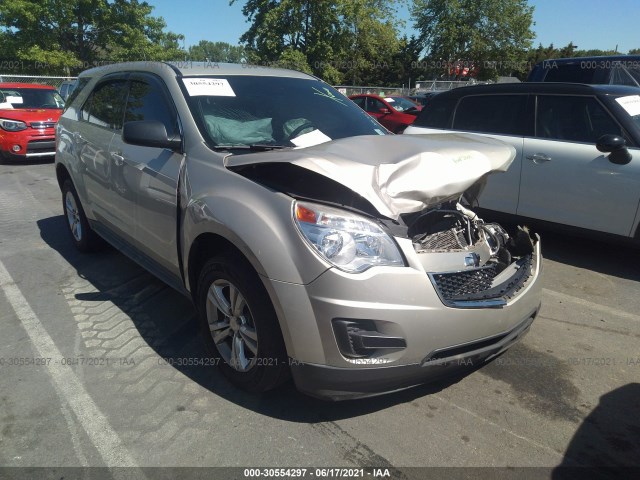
565 179
100 118
507 118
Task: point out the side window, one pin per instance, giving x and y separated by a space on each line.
360 101
574 119
374 105
147 102
106 104
574 73
437 113
501 114
75 89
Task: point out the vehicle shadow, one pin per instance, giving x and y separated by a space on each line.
609 257
166 321
27 162
618 260
606 445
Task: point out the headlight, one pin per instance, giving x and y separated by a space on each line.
346 240
12 125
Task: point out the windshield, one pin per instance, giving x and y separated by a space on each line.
401 104
29 98
260 110
631 105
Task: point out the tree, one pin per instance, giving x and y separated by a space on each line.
369 41
216 52
277 26
634 51
62 35
490 36
339 39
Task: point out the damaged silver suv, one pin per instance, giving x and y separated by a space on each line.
313 243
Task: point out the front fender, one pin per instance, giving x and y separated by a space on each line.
255 219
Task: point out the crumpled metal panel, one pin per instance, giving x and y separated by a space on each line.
398 174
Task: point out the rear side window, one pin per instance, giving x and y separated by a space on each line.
374 105
573 118
147 102
437 113
573 73
105 106
360 101
78 86
500 114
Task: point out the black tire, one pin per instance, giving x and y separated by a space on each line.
83 237
267 367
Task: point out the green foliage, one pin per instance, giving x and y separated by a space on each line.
294 60
350 40
59 36
492 36
634 51
216 52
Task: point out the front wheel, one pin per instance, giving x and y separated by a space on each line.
84 238
240 326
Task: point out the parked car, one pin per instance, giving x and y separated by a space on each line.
578 157
393 112
28 114
425 97
307 237
609 70
66 88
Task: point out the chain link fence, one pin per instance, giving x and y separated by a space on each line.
42 80
419 87
382 91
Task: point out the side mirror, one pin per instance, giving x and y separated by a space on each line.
384 111
149 133
616 146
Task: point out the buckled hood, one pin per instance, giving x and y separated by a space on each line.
401 173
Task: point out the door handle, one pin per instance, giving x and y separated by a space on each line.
117 159
539 158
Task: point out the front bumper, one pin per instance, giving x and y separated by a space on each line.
32 143
402 303
348 383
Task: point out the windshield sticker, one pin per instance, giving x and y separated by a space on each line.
389 99
378 131
215 87
328 94
631 104
310 139
11 99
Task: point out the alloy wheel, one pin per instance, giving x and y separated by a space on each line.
73 216
231 325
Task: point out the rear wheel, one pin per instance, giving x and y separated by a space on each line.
83 237
239 325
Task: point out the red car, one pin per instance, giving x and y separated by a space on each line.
28 115
394 112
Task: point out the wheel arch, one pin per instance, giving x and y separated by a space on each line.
62 174
207 245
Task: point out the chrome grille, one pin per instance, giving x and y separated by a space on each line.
453 285
41 125
469 288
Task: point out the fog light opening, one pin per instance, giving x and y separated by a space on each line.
16 148
360 338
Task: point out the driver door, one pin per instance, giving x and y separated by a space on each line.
566 180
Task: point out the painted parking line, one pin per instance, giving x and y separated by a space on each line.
67 385
591 305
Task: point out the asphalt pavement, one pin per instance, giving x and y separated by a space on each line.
95 369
